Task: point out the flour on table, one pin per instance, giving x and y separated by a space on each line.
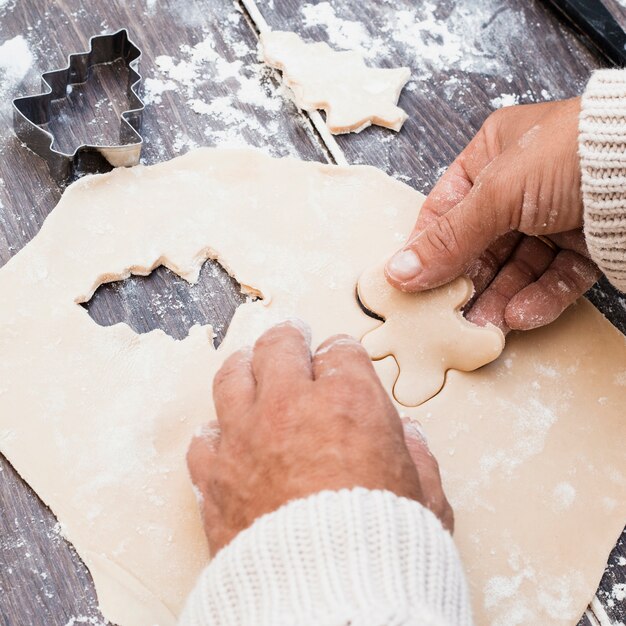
505 100
344 34
431 42
16 59
353 95
193 73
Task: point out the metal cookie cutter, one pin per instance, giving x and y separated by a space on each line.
32 113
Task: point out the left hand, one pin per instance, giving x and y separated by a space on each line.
292 424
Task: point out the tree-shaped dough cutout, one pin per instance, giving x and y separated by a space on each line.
426 333
353 95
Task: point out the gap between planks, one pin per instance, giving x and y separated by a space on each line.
260 25
595 613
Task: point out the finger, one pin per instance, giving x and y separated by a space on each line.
451 188
456 182
433 495
441 251
529 260
282 355
569 276
342 355
202 454
485 268
202 462
234 387
501 129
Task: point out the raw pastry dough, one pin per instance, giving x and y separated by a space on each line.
353 95
97 419
425 333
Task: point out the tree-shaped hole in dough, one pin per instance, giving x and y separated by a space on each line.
426 333
161 298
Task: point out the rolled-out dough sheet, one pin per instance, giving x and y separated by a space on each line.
97 419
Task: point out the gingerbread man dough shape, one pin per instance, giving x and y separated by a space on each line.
353 95
426 334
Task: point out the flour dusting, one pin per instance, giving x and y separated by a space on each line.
468 38
530 426
227 92
554 595
505 100
344 34
563 496
16 59
84 619
619 592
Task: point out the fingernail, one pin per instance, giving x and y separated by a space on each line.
404 265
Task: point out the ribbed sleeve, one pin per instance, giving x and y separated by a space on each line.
351 557
602 144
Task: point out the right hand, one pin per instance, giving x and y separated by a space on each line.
519 177
292 424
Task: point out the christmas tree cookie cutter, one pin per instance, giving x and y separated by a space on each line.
32 113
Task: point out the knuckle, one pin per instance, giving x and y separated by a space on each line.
345 344
487 262
500 196
580 271
443 238
528 271
567 282
231 367
331 342
493 125
285 333
223 376
270 338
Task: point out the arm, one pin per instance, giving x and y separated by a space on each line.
320 505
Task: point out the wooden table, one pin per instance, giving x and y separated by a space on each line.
204 86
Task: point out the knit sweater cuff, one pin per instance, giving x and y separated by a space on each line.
353 557
602 144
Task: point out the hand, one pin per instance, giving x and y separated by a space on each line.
519 176
292 424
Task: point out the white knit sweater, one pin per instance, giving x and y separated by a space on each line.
352 557
602 146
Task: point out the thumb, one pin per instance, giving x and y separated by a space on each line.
441 251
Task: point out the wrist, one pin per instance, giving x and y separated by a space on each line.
333 557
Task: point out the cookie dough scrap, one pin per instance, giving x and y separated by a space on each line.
353 95
426 334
